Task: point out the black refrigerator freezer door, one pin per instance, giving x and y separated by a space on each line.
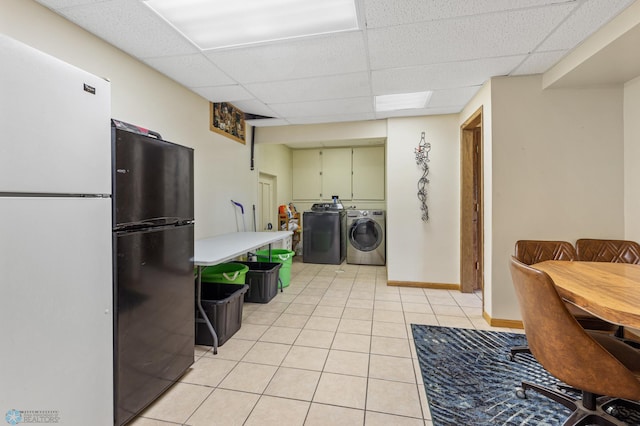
154 314
152 179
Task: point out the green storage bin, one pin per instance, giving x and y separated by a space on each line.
225 273
283 256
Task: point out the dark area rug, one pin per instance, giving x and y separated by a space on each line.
470 381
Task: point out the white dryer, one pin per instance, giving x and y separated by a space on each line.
366 237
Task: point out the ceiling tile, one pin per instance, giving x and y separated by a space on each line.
449 46
61 4
130 26
190 70
587 18
312 89
382 13
483 36
339 118
325 107
420 112
254 106
538 63
267 122
301 58
441 76
452 97
223 93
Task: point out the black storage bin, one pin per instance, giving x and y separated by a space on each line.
262 279
223 305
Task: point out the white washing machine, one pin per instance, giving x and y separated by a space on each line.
366 237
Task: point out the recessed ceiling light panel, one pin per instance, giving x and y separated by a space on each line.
214 24
402 101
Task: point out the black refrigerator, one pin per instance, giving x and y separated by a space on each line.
153 266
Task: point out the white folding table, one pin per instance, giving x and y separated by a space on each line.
221 248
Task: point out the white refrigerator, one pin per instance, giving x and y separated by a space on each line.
56 308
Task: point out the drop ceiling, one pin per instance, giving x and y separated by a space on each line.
448 46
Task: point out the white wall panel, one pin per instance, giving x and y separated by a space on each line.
631 156
423 251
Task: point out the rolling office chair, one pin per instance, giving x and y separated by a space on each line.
534 251
595 363
614 251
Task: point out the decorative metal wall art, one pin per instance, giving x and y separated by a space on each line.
422 160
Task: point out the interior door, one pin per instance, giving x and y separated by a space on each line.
266 202
471 221
477 212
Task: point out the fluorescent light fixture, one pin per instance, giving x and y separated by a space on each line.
214 24
402 101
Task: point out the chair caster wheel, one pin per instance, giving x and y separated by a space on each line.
612 411
520 393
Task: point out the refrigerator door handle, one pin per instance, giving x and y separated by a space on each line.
153 223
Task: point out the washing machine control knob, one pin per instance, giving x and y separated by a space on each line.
365 213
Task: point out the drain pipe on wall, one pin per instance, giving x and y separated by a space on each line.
253 139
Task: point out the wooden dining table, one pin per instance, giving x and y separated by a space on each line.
610 291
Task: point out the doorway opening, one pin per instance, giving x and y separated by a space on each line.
267 202
471 205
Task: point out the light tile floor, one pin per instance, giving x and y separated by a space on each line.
335 348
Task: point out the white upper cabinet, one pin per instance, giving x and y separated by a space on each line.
306 171
368 173
336 173
356 173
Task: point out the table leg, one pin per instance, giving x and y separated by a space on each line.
279 280
203 313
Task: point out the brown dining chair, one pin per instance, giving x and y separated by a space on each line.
615 251
534 251
605 370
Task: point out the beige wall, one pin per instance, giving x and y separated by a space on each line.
142 96
420 251
312 133
416 251
631 155
557 165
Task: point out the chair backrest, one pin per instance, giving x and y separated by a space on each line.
616 251
534 251
561 345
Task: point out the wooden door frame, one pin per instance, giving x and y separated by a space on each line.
469 278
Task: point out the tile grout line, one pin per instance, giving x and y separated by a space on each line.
336 286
